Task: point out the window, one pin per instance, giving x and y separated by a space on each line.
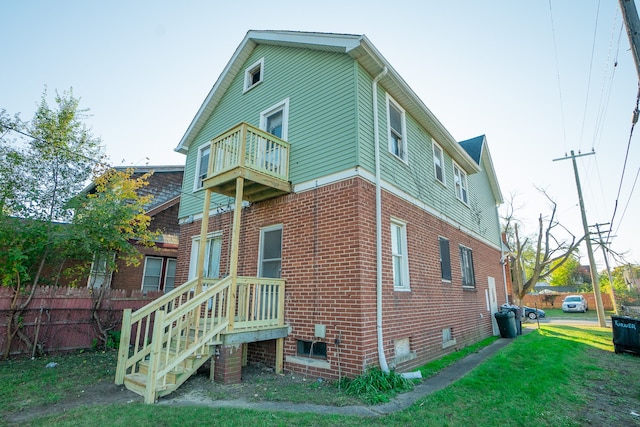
438 162
254 75
270 257
399 256
202 166
460 180
101 271
275 120
159 273
211 256
447 338
445 259
314 349
170 275
397 130
152 274
466 264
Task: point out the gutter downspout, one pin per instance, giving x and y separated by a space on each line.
374 89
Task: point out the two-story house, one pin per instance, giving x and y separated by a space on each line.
343 225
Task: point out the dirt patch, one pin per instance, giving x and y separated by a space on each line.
259 384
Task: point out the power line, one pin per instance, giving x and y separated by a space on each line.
555 52
28 135
586 101
636 112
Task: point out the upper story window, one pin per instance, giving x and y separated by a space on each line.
275 120
438 162
254 75
460 181
399 256
202 166
397 129
466 264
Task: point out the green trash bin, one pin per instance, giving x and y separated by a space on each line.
507 324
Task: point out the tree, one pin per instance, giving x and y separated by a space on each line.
45 218
566 273
110 220
534 258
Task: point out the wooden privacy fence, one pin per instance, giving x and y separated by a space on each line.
60 318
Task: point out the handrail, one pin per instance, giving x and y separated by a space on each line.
247 146
139 323
185 322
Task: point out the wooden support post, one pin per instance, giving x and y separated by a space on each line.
123 350
154 360
235 243
279 355
204 230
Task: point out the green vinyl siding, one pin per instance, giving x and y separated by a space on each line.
416 177
330 129
322 114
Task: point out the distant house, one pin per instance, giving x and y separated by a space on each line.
332 222
157 270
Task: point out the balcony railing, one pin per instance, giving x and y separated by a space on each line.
261 158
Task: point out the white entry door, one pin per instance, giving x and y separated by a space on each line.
492 303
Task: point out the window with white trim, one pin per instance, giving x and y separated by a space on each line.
466 265
152 275
159 273
275 120
460 182
270 253
101 270
445 259
202 166
397 129
399 256
212 254
438 162
254 75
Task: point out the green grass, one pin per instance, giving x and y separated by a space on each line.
27 382
552 376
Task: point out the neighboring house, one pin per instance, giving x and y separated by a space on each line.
345 233
157 270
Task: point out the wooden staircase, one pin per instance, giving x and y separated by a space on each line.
165 342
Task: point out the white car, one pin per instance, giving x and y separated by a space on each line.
575 303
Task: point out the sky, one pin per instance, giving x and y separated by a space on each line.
538 78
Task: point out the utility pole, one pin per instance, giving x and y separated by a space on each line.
606 261
631 21
592 263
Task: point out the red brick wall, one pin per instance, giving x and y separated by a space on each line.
129 277
329 264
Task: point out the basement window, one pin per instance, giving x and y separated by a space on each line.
447 338
314 349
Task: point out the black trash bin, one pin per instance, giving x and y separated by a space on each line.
626 334
518 313
506 324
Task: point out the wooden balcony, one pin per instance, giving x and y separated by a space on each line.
253 154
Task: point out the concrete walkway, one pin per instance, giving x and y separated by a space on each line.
437 382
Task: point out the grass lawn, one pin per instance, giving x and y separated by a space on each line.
553 376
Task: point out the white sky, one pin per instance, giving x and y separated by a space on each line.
537 77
